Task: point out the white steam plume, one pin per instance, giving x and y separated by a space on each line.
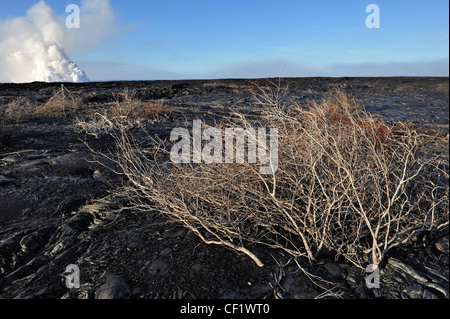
31 49
34 47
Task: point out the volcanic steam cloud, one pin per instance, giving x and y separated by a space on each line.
32 49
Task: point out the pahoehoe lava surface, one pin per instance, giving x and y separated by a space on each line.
56 206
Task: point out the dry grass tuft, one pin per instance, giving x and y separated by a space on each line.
62 103
129 107
19 110
126 112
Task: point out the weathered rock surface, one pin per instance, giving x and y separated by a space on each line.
115 287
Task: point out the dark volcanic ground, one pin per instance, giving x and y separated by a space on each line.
57 207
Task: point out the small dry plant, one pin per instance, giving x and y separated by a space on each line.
127 112
19 110
346 183
62 103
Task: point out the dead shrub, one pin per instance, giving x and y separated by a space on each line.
346 182
360 186
128 106
19 110
127 111
62 103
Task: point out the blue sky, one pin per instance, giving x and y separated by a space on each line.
179 39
